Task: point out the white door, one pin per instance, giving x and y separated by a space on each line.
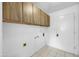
66 34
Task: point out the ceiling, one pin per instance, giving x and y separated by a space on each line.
50 7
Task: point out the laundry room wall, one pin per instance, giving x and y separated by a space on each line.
0 29
16 35
65 23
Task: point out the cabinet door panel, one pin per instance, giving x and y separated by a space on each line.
27 13
36 15
6 12
42 18
47 20
15 12
12 12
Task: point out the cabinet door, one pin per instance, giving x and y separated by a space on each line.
6 12
42 23
36 15
15 12
27 13
44 19
47 19
12 12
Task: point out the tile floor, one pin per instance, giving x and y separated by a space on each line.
47 51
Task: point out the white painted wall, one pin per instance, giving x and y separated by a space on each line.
14 35
63 22
0 29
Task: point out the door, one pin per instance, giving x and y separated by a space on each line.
66 34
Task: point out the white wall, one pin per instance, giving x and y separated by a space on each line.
77 32
14 35
0 29
66 41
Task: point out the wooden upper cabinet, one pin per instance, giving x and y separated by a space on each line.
27 13
12 12
36 15
24 13
6 12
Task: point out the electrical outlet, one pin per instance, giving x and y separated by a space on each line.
43 34
24 44
57 35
